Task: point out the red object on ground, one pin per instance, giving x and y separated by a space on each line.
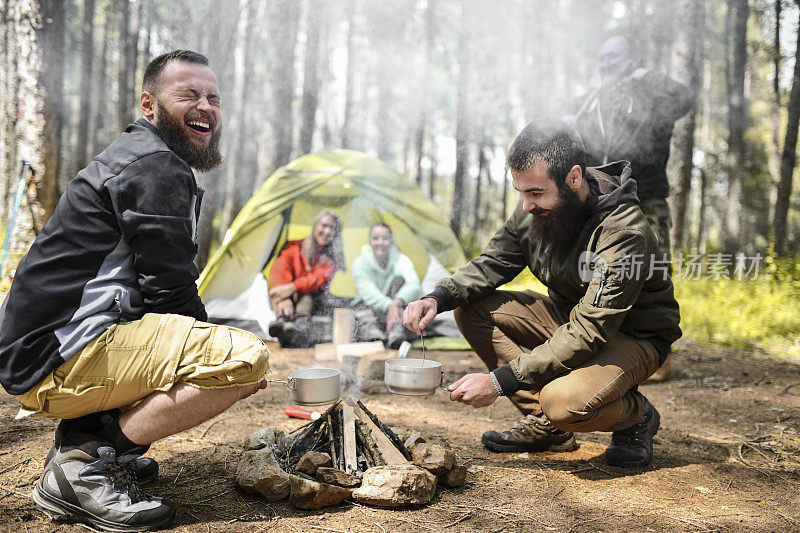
298 412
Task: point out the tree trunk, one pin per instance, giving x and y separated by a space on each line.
505 194
462 126
145 22
347 124
705 143
131 61
236 122
308 109
788 157
701 218
737 123
101 105
434 159
123 94
86 85
424 91
51 37
9 103
476 220
773 147
277 142
687 58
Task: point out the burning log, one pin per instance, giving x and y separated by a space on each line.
329 429
371 451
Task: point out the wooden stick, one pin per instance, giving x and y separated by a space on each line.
329 428
340 427
371 449
386 431
349 431
362 445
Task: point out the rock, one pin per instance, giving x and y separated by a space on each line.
454 478
402 433
307 494
435 458
309 463
396 486
334 476
414 438
263 438
258 472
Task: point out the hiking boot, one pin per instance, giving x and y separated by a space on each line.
279 326
145 468
531 434
633 447
86 479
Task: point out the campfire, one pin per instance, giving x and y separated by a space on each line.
347 453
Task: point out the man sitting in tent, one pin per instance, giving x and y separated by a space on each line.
386 282
569 361
299 281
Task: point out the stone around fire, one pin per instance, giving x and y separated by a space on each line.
396 486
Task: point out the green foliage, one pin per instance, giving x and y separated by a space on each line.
760 313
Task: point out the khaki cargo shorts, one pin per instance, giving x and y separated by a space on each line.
133 359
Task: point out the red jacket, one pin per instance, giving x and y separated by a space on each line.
292 266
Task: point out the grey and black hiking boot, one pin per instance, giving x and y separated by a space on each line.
145 468
87 480
633 447
534 433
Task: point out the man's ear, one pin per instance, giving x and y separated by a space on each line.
148 106
575 178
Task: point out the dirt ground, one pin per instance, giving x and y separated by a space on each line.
727 458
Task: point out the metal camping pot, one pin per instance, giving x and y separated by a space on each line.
413 377
313 386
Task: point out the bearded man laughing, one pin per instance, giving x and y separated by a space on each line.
103 327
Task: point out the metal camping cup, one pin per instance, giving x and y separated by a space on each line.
313 386
413 377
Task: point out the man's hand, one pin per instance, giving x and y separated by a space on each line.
281 292
419 314
252 389
476 390
394 314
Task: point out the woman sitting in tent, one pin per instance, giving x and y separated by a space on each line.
299 281
386 282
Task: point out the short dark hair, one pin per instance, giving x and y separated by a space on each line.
553 142
380 225
156 65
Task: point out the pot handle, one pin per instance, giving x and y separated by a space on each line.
282 382
442 385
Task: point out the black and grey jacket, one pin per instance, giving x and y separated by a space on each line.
120 244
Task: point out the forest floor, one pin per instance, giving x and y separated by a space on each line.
727 458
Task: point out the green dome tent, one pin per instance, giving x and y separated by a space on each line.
362 190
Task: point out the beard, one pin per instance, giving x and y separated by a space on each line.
175 137
562 226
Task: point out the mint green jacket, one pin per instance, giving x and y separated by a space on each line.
372 282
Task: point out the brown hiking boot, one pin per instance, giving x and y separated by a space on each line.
531 434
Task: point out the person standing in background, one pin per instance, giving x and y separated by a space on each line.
630 117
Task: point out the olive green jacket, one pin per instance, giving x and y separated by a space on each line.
627 289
